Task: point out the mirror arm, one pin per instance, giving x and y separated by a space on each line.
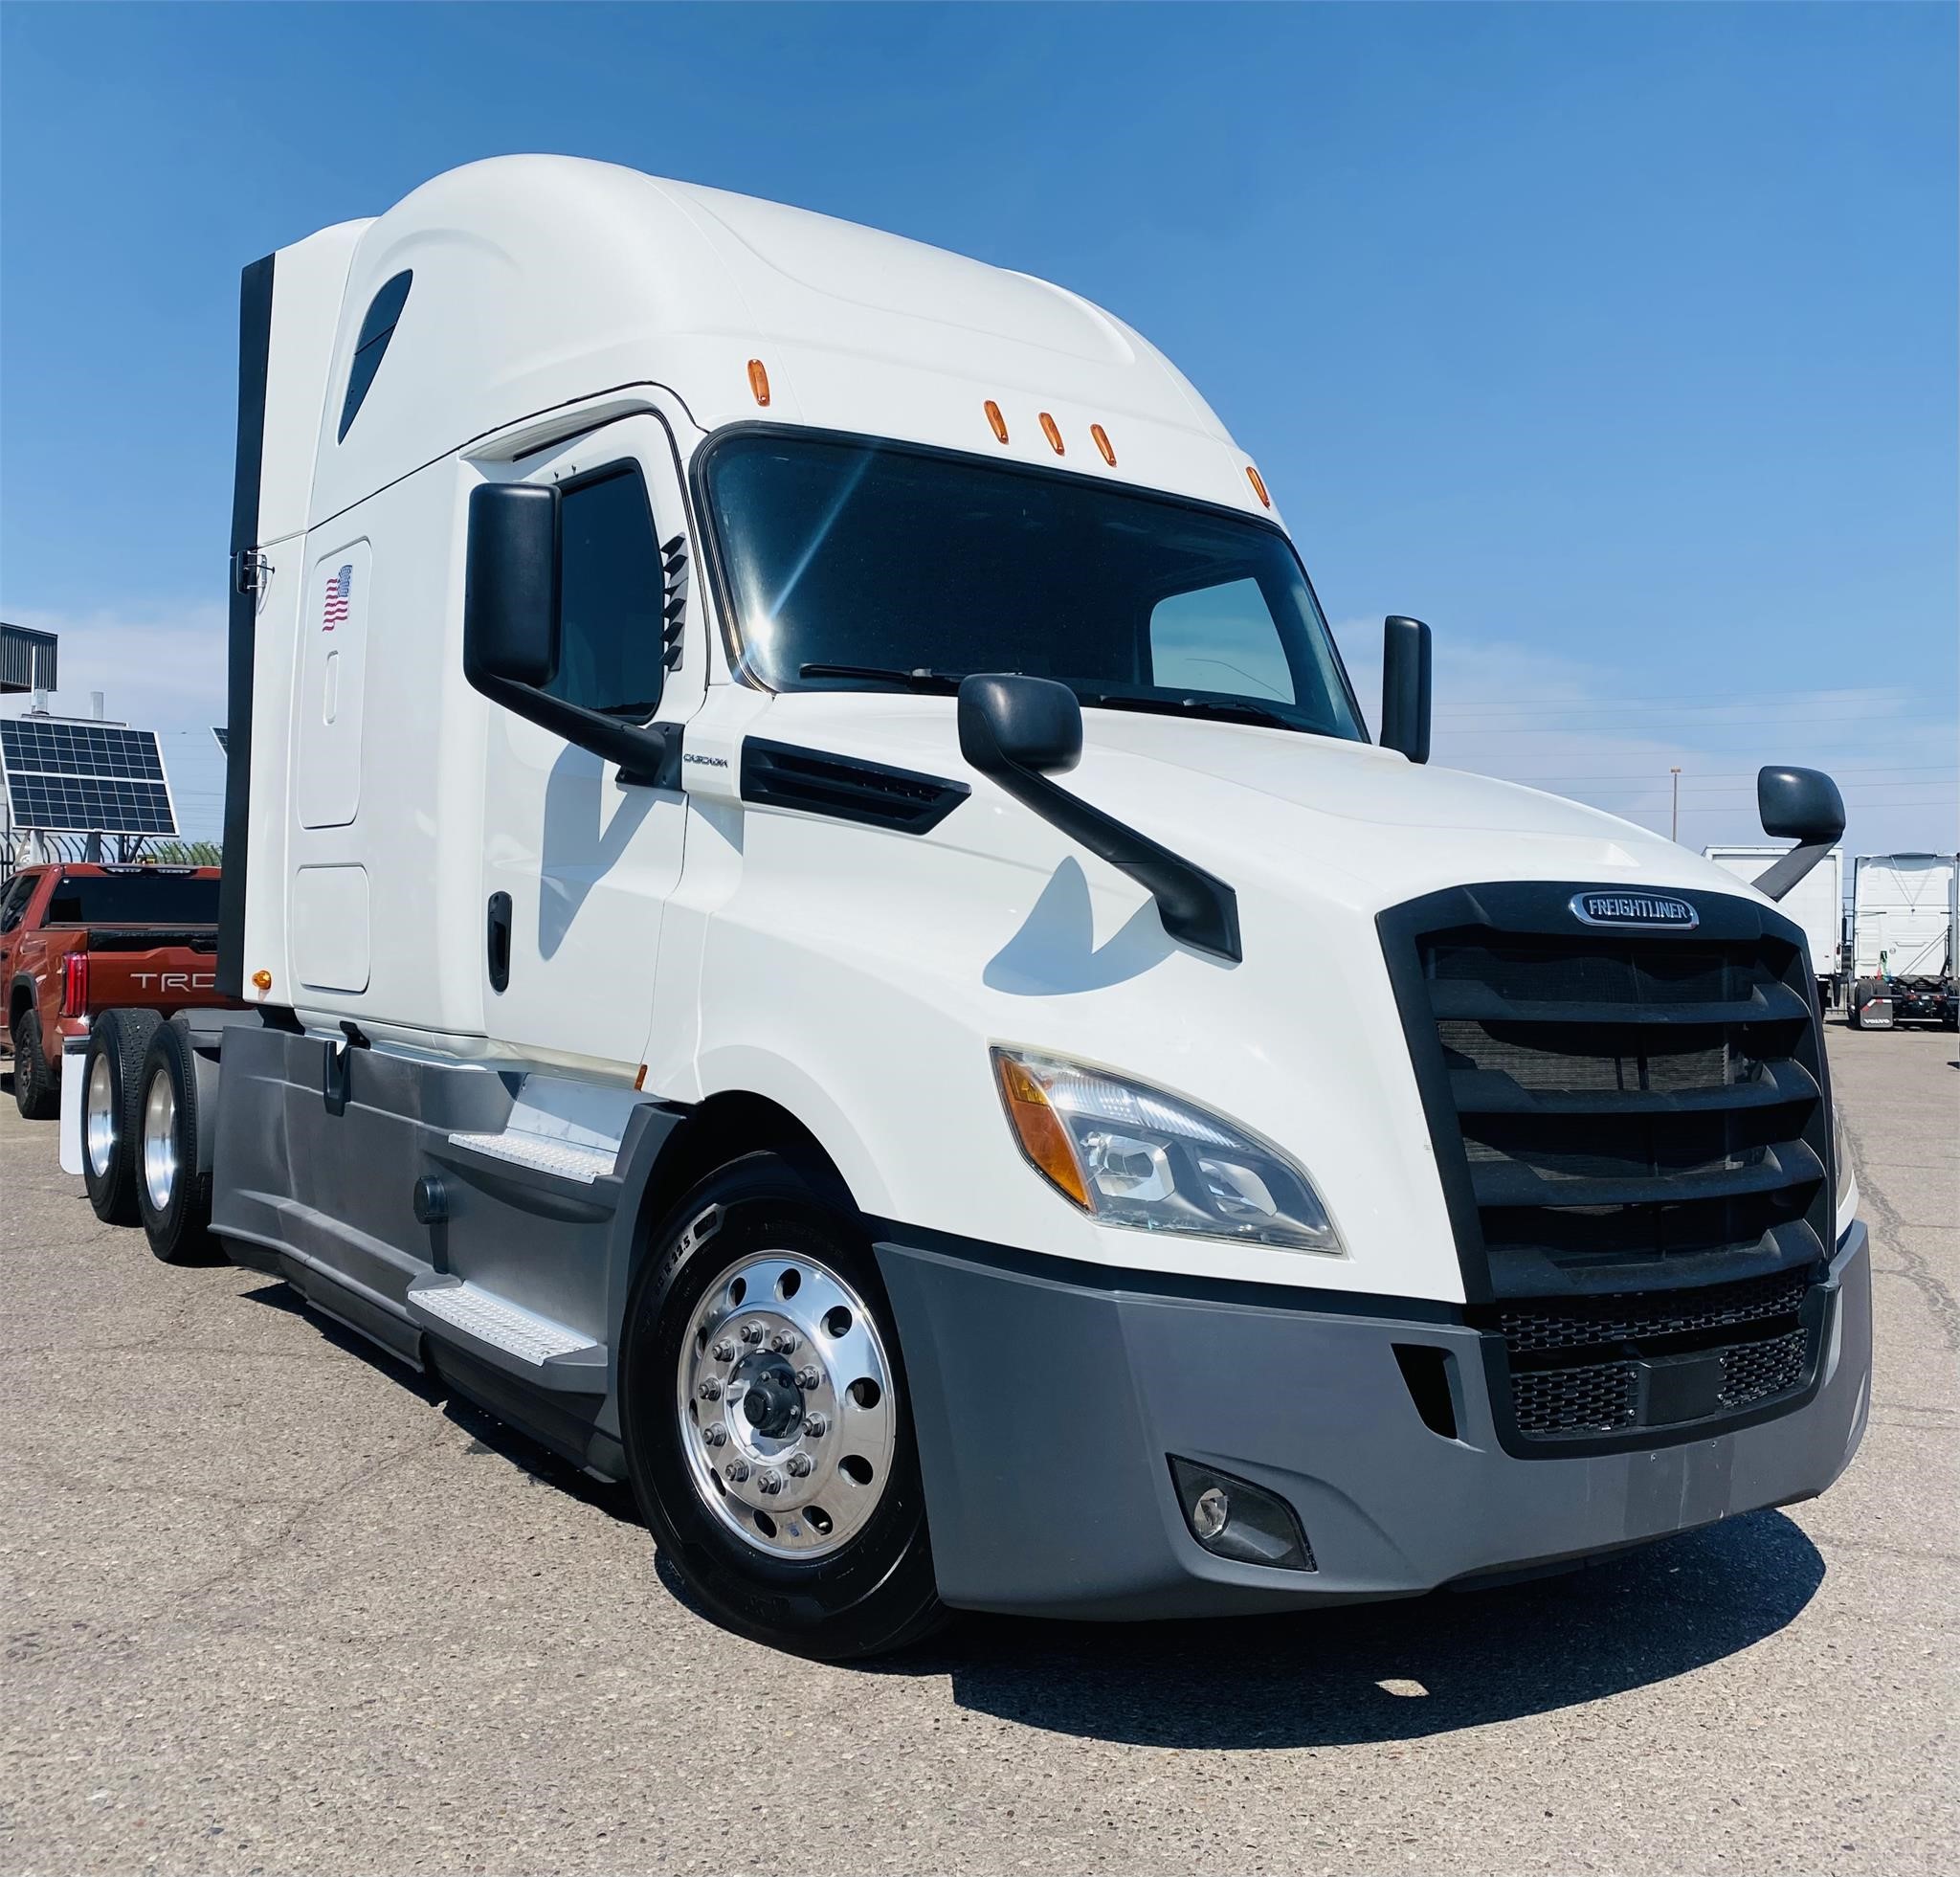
1194 906
1785 872
648 755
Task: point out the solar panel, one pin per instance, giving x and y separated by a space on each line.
223 735
84 778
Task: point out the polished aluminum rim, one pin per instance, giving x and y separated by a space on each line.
786 1405
160 1140
99 1116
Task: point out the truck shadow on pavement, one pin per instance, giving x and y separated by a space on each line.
1403 1670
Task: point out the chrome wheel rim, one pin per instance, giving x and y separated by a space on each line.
160 1141
99 1116
786 1406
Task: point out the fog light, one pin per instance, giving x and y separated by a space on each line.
1234 1518
1208 1515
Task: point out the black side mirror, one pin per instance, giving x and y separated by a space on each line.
1017 729
1405 687
1007 719
510 632
510 585
1802 805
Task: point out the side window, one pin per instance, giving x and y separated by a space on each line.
1220 638
377 327
610 588
13 902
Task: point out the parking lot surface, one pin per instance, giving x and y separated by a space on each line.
270 1603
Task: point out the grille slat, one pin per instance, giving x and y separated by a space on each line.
1632 1134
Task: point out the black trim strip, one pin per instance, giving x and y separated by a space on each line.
1077 1274
848 788
255 355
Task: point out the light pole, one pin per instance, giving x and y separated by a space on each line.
1673 825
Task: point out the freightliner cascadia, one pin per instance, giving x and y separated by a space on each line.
822 933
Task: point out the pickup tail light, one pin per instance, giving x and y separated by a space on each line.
75 984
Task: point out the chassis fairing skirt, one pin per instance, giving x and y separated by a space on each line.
1046 1407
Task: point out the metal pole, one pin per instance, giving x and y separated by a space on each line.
1674 826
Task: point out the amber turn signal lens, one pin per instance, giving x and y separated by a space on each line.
1259 488
1043 1139
261 980
759 381
1102 441
1052 432
996 422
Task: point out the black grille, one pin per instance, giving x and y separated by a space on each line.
1596 1398
1634 1138
1589 1322
1752 1371
849 788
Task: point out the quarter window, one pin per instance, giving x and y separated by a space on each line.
1219 638
377 327
610 592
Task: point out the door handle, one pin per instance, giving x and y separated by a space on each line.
497 940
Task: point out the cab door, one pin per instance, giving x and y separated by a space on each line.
577 866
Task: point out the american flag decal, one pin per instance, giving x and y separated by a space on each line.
338 591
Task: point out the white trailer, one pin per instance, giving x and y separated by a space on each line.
690 1012
1817 902
1903 930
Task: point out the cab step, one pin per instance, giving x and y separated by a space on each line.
516 1338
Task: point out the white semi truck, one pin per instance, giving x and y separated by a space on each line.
823 935
1905 927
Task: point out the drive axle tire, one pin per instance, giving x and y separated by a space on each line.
767 1422
111 1074
171 1196
36 1090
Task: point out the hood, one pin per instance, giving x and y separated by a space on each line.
1302 815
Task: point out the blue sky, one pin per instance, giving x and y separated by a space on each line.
1617 341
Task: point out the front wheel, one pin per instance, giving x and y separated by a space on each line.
765 1421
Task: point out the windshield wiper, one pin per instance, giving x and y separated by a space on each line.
1231 710
920 677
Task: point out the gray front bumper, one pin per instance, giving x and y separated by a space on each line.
1046 1410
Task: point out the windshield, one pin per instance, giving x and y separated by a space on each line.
864 564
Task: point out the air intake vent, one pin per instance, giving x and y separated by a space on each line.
782 775
1633 1140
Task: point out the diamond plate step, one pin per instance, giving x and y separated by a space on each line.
490 1319
566 1159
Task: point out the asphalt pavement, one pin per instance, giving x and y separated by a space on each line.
270 1603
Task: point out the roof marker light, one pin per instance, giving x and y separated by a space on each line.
1258 488
1103 443
759 382
997 421
1052 434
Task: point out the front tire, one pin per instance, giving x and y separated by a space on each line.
112 1074
767 1422
171 1196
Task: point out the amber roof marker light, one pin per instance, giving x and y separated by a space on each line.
1101 439
1053 432
759 382
1259 488
995 422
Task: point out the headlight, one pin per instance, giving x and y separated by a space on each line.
1135 1156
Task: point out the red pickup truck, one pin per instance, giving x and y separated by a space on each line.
76 940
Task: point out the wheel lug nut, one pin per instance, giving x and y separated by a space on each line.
737 1471
798 1465
750 1332
784 1342
723 1351
816 1426
711 1390
807 1380
716 1436
770 1482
